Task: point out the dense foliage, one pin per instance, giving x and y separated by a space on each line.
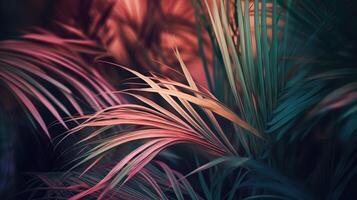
228 99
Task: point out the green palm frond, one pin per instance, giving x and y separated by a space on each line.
300 79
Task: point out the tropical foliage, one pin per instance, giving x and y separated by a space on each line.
274 118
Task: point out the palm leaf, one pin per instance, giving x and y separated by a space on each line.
160 127
55 64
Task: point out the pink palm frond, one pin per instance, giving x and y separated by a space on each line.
37 64
189 116
159 180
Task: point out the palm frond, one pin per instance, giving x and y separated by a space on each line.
159 127
40 62
291 84
154 181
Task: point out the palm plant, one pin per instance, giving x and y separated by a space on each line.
277 122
